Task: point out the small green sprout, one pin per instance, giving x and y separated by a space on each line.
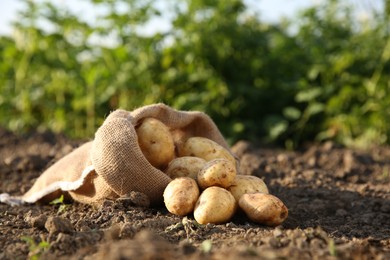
332 248
59 201
35 249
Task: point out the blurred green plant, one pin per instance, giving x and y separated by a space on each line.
323 75
61 202
35 249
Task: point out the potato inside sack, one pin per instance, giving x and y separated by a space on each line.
205 148
156 142
244 184
181 195
263 208
215 205
187 166
217 172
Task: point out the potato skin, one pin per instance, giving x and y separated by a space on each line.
181 195
156 142
263 208
215 205
217 172
205 148
187 166
245 184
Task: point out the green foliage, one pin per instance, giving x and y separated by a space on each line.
35 249
59 201
321 76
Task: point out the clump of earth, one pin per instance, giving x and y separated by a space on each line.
338 201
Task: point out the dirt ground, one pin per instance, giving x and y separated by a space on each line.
338 200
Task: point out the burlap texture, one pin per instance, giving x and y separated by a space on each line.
117 160
92 190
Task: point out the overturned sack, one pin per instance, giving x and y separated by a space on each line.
113 164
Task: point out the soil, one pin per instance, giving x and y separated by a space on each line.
338 201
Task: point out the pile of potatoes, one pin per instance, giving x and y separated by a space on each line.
205 179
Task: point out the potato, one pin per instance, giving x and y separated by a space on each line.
244 184
205 148
263 208
215 205
156 142
181 195
187 166
217 172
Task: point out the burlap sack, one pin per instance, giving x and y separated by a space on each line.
113 164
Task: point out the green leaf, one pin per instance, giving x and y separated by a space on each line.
278 129
62 208
44 244
308 94
292 113
332 248
314 108
275 125
238 127
59 200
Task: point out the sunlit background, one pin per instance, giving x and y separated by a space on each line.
270 10
280 72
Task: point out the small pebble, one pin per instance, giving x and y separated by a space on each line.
112 233
385 207
39 221
136 199
127 230
277 232
56 225
282 158
341 213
